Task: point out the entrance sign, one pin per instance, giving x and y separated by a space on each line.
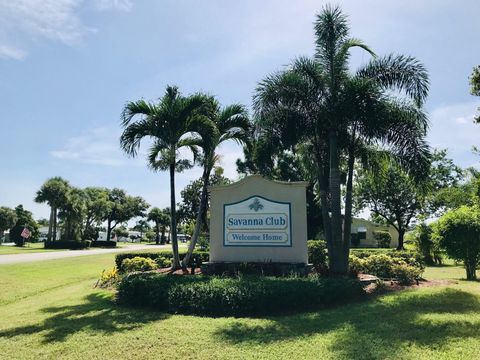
257 221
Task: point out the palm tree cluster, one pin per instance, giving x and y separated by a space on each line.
316 110
335 116
83 210
194 122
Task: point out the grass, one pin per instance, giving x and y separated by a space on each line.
28 248
38 247
51 310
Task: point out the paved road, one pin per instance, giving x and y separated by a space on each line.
41 256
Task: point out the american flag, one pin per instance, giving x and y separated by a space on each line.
25 233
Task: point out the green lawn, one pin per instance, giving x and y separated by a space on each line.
29 248
51 310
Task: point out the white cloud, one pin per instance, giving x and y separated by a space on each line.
452 127
229 153
52 19
8 52
97 146
22 21
121 5
464 120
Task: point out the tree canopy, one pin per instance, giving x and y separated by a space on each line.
336 115
173 123
475 85
8 218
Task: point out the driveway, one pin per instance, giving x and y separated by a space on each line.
39 256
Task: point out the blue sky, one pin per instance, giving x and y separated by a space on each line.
67 67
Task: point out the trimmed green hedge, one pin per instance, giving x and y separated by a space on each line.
104 243
67 244
242 296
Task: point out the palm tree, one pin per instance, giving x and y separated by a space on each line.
322 104
231 124
72 212
170 123
161 218
54 192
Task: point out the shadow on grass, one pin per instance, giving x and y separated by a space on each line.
98 314
373 330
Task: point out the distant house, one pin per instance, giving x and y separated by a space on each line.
363 230
43 231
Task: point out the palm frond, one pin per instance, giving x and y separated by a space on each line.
331 29
133 108
160 156
404 73
133 134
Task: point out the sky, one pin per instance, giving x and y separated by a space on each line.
67 68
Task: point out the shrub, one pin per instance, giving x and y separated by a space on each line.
66 244
104 243
109 278
150 255
317 255
379 265
410 257
425 245
203 255
203 243
406 274
163 261
356 265
400 265
138 264
383 238
242 296
458 232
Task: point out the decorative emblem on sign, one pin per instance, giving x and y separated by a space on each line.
256 205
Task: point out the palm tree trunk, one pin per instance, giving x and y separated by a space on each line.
162 238
327 230
54 237
157 230
199 222
347 225
173 224
338 265
50 225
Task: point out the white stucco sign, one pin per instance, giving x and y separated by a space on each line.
257 221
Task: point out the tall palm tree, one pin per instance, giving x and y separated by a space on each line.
54 192
231 124
321 103
172 124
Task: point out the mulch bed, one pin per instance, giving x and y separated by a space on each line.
179 271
